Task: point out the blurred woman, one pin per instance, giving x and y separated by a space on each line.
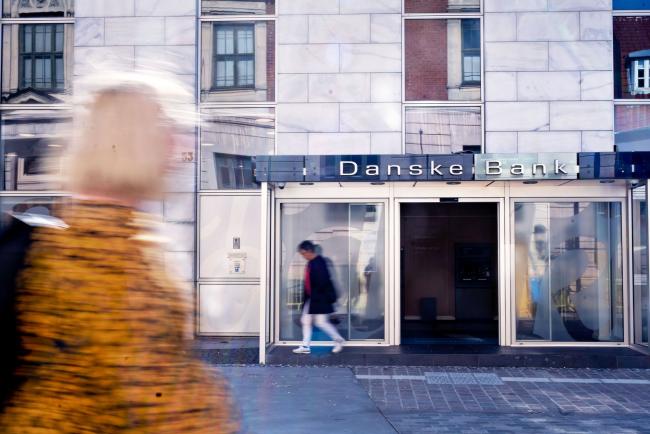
102 326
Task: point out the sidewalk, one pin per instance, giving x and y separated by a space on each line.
430 399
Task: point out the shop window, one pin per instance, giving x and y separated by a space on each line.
234 60
37 8
230 138
443 130
36 63
31 146
237 7
569 271
238 61
443 59
441 6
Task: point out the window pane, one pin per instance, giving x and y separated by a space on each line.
39 64
434 59
640 263
245 41
237 7
636 5
31 145
631 51
229 140
245 73
632 127
250 48
350 237
431 130
35 9
441 6
568 272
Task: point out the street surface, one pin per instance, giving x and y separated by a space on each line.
430 399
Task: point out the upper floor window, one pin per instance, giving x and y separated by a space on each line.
631 57
41 56
639 70
37 8
234 59
471 52
441 6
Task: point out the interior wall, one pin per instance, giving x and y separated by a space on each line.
429 232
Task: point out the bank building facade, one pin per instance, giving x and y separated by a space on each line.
473 171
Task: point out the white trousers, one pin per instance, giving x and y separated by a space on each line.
319 320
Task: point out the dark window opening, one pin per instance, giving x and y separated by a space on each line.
471 46
41 56
234 56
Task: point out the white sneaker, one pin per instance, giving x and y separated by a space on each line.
338 347
302 350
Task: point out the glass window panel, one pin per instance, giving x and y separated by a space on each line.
44 81
631 53
237 7
38 8
59 72
350 236
632 127
438 130
441 6
434 61
229 140
245 41
640 263
225 43
568 271
252 78
636 5
31 144
23 204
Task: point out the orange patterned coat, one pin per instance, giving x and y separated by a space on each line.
103 329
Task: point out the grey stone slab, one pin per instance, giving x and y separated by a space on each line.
303 400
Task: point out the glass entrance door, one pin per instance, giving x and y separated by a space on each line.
351 238
640 263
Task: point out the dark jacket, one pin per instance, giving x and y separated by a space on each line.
14 244
323 295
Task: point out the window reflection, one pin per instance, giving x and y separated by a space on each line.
18 205
36 62
237 7
229 140
31 144
441 6
568 271
443 60
237 61
435 130
632 57
640 263
350 236
37 8
632 127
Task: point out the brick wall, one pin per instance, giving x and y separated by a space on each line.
630 34
425 6
632 117
426 60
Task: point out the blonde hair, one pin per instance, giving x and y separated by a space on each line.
123 134
121 148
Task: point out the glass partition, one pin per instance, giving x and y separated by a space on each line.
351 238
640 263
569 271
443 130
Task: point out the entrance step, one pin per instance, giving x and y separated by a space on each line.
463 355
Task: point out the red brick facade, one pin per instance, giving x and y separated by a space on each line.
631 117
430 6
630 34
426 60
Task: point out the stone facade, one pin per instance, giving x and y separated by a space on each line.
548 75
339 76
152 34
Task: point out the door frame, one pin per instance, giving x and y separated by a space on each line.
502 301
